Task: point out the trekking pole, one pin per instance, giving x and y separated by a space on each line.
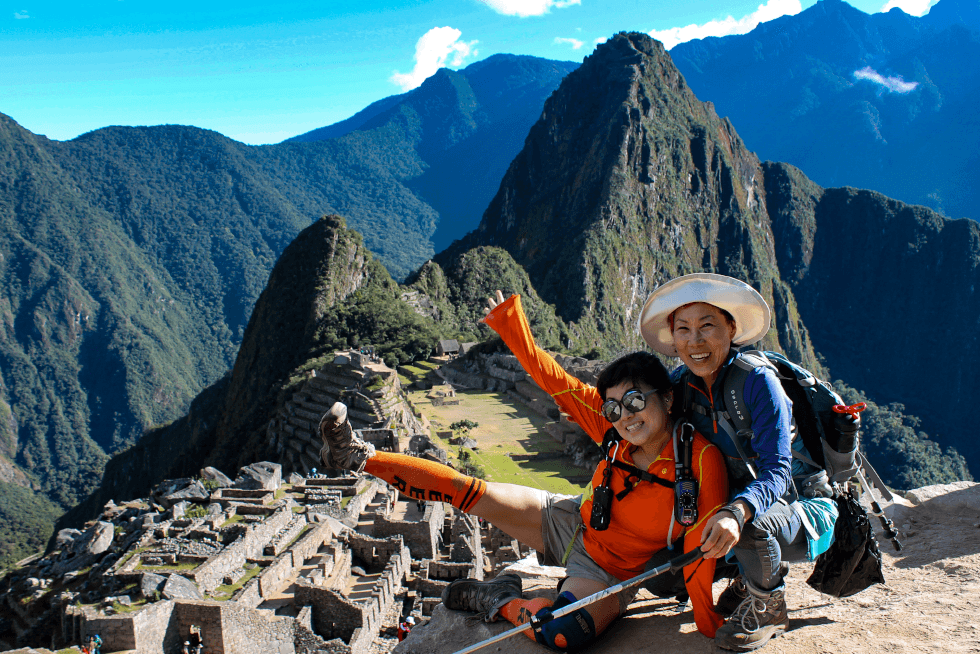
876 509
675 564
878 512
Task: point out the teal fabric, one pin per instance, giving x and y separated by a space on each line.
821 512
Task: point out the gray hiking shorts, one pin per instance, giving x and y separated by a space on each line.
562 531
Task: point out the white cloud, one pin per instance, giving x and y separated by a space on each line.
575 43
892 84
911 7
438 47
524 8
769 11
21 15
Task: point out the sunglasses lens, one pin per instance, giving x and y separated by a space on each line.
611 410
634 401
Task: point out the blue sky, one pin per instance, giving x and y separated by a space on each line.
261 72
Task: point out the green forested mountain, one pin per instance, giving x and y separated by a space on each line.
636 182
326 292
131 258
629 180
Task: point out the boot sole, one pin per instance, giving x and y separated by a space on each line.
778 629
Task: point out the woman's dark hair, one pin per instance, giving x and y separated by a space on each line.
635 368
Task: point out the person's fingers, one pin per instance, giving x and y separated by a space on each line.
500 296
718 539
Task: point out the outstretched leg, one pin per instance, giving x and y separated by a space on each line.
516 510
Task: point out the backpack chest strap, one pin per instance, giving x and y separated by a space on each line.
642 475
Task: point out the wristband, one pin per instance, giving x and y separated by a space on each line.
738 512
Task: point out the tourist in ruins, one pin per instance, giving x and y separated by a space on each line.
699 318
633 395
405 628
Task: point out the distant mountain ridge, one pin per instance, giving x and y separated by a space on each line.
828 90
131 258
471 123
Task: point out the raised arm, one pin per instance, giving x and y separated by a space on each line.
579 400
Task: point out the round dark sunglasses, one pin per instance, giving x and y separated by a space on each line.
634 401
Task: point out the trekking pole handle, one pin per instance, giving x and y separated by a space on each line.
853 409
673 565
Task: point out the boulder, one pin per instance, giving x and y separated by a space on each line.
66 537
178 587
213 474
151 584
260 476
214 508
178 510
94 540
192 492
465 441
295 478
171 491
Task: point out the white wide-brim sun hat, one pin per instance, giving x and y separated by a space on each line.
748 308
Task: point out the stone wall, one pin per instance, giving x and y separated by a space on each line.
148 631
307 546
154 634
250 594
210 574
248 631
275 574
118 631
421 536
358 623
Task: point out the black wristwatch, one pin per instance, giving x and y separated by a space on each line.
738 512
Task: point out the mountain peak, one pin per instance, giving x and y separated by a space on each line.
623 153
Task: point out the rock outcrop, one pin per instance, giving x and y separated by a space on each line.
927 604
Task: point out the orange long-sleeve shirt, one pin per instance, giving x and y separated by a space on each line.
641 521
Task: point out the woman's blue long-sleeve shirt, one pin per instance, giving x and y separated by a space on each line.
771 416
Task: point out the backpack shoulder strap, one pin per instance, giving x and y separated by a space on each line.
734 386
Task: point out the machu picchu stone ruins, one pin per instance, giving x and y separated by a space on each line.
287 556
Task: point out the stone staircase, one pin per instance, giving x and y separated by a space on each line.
371 392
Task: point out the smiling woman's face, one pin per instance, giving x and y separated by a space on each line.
703 337
648 428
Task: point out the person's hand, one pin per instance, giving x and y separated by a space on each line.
494 301
719 535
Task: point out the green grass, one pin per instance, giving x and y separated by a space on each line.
232 520
414 369
132 608
504 427
229 590
180 567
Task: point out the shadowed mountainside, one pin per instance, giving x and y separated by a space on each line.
884 101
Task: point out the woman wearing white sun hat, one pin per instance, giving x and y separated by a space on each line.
699 318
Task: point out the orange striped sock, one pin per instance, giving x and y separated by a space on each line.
422 479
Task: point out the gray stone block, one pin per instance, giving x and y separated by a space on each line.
260 476
152 583
178 587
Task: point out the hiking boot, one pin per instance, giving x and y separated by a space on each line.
342 448
483 597
736 592
760 616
